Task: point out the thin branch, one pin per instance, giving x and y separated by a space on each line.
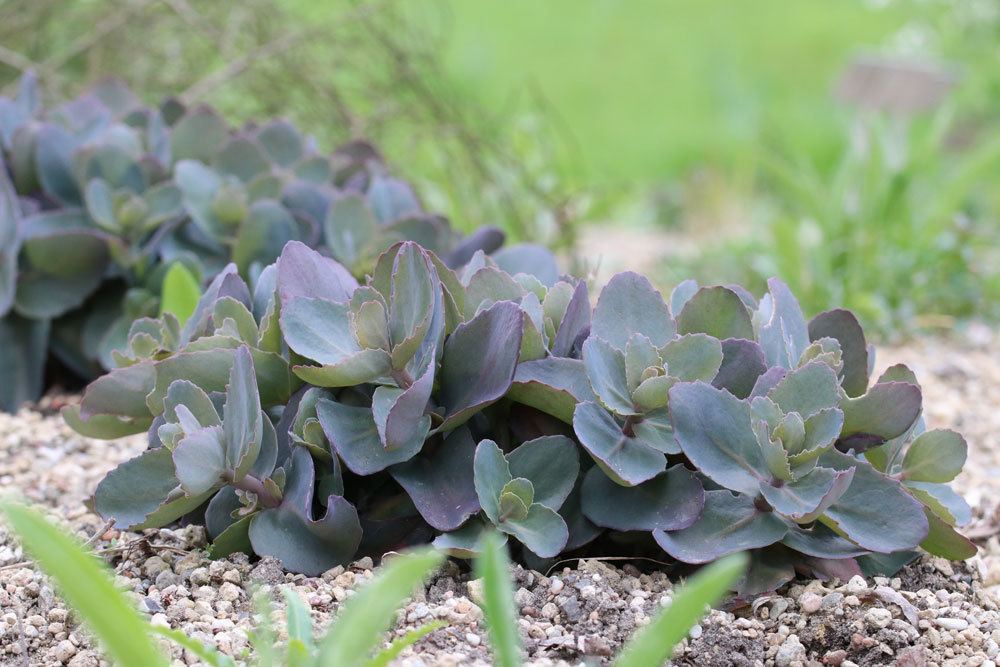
15 60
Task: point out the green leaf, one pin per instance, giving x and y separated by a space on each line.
362 619
399 644
266 229
652 645
718 312
242 420
200 460
199 135
804 499
876 512
670 501
479 360
729 523
944 541
807 390
492 473
299 623
935 456
349 228
493 568
844 327
886 411
206 653
627 460
629 305
24 345
606 369
87 586
551 464
353 434
180 293
692 357
553 385
713 429
783 335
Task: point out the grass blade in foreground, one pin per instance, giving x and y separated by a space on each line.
652 645
87 586
493 567
363 618
205 653
392 651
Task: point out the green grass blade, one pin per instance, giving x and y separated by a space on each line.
363 618
493 567
87 587
180 293
392 651
262 637
206 653
652 646
300 636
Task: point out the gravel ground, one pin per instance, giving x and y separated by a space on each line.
933 613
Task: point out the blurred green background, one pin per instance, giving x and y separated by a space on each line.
677 138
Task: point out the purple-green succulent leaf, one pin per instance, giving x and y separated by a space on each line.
551 464
935 456
886 411
575 321
492 472
718 312
144 492
728 523
742 364
194 400
944 541
242 420
672 500
358 368
200 460
681 295
629 304
398 412
303 272
463 542
692 357
640 354
542 531
290 533
875 512
626 459
807 390
783 333
354 436
479 361
606 369
713 430
805 499
440 481
319 330
844 327
553 385
820 542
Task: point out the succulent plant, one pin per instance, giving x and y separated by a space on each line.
100 196
315 418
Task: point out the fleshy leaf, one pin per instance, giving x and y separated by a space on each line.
670 501
200 460
479 362
628 305
713 429
575 320
693 357
783 336
353 434
242 422
804 499
606 369
142 492
303 272
886 411
935 456
553 385
944 541
807 390
875 512
728 523
843 326
439 480
628 460
718 312
551 464
492 473
290 534
542 531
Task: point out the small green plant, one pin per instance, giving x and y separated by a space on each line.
104 199
319 419
351 640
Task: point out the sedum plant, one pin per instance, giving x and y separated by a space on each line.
101 195
316 418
